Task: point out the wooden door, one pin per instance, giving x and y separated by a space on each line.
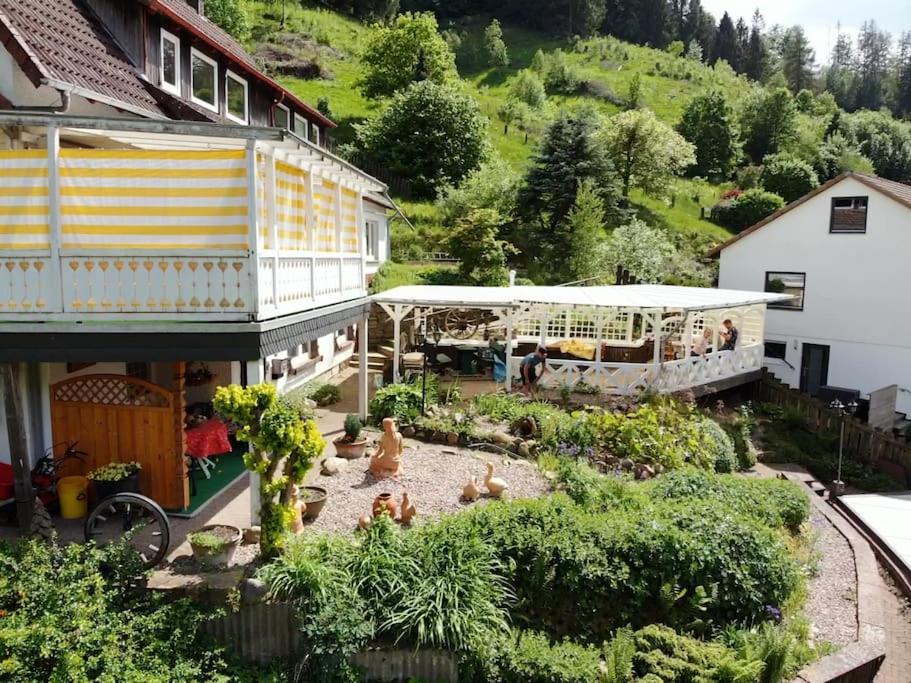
814 368
116 418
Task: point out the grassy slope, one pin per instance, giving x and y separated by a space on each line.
667 84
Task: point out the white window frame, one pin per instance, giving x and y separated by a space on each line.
167 36
242 81
294 119
284 109
315 131
211 62
372 239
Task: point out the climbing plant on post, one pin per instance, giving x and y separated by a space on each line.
283 446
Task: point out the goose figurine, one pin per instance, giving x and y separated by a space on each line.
495 485
407 511
471 492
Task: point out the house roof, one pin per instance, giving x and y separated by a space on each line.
181 13
900 192
663 297
62 45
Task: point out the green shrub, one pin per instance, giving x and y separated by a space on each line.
740 430
787 176
326 394
399 401
747 209
774 502
717 441
531 657
353 426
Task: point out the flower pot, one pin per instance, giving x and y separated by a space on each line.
385 504
352 450
222 555
313 499
104 489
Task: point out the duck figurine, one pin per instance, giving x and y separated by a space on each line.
407 511
495 485
364 521
471 492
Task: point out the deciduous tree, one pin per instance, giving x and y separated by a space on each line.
482 254
708 124
494 46
768 123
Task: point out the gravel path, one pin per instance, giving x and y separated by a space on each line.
433 475
832 601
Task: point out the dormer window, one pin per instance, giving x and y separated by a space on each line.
203 81
300 126
170 62
849 214
236 97
314 134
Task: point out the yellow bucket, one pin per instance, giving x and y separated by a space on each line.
73 497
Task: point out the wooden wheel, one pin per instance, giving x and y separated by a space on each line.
138 520
460 323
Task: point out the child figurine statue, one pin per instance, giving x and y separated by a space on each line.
386 460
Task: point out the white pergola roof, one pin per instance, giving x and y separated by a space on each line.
653 297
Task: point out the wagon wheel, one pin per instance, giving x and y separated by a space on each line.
461 324
138 520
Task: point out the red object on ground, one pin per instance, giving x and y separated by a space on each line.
6 481
209 438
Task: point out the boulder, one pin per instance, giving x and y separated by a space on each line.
452 438
408 431
251 535
502 439
329 467
627 464
524 450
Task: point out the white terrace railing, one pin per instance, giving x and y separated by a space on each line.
172 234
666 377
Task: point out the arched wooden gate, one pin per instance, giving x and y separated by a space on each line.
116 418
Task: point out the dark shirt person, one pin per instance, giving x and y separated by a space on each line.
528 368
729 335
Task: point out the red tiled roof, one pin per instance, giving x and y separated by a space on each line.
180 12
60 40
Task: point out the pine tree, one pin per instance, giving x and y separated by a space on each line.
798 60
494 46
902 104
743 44
840 76
873 63
585 226
725 42
756 59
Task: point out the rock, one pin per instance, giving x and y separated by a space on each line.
253 591
524 450
329 467
501 438
251 535
452 438
627 464
408 431
649 471
611 460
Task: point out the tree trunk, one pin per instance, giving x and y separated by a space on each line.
18 446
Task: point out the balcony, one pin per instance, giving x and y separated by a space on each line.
174 221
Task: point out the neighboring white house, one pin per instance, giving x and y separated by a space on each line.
844 252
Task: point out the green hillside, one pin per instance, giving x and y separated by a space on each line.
607 67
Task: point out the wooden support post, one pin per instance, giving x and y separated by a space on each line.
255 375
363 385
253 225
396 343
508 382
180 441
18 445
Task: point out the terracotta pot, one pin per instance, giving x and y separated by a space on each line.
385 503
351 450
313 499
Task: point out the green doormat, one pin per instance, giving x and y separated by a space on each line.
228 469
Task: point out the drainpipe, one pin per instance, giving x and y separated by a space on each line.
61 108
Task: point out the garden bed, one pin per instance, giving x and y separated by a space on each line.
433 475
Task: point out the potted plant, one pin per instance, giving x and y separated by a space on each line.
115 477
313 498
214 545
351 445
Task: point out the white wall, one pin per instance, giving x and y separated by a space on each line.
372 212
858 288
331 359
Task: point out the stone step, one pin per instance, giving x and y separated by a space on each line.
385 351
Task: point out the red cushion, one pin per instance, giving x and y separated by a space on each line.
6 481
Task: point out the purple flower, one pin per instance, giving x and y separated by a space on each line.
773 613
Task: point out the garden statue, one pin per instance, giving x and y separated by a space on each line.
386 460
407 511
471 492
299 507
495 485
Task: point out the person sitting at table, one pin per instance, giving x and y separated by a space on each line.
729 335
701 347
527 368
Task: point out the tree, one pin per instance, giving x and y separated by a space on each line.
585 227
788 177
482 256
494 46
708 123
885 141
409 49
694 51
645 152
725 46
644 251
494 185
836 155
873 65
902 104
528 88
840 77
756 59
634 94
283 447
768 123
675 48
569 154
512 111
431 134
229 15
798 59
560 76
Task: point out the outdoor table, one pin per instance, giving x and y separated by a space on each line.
209 438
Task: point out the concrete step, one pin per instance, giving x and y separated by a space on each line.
385 351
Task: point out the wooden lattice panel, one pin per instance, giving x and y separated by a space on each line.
111 390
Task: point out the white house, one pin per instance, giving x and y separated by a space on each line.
842 252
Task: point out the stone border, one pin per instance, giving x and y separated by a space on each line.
860 660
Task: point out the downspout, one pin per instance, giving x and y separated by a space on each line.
61 108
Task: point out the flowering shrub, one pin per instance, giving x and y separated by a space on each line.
114 471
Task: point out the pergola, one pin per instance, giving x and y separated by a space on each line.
620 339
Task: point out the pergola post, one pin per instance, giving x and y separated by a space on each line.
397 312
656 352
18 445
508 383
362 374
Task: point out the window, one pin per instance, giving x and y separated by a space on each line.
203 82
314 134
849 214
300 126
170 62
235 97
371 240
313 349
787 283
281 116
774 349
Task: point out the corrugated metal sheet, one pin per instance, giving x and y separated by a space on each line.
438 666
259 632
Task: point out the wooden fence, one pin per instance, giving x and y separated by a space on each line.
880 450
